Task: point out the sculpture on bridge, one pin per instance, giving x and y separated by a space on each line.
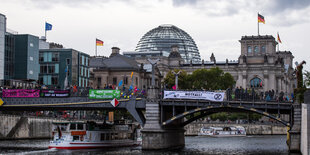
299 91
153 63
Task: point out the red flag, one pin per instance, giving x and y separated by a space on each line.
114 102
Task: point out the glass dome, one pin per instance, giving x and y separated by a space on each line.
163 37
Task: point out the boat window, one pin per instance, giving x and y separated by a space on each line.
80 126
102 138
108 136
72 126
76 138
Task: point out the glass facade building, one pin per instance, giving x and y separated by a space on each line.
26 66
164 36
56 64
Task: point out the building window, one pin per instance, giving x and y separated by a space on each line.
256 82
114 81
255 49
249 49
99 81
54 80
263 49
41 80
43 69
68 61
125 80
51 68
55 57
41 57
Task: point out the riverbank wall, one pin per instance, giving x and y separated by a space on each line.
251 129
19 127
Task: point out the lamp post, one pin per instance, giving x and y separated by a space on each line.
176 79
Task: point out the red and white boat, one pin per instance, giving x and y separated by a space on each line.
90 135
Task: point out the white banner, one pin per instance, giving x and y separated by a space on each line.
201 95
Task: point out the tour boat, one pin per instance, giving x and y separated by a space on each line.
91 135
222 131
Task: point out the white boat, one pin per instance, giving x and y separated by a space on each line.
89 135
222 131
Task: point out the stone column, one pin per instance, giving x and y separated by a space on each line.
153 135
244 82
265 84
294 133
279 85
283 85
239 81
305 124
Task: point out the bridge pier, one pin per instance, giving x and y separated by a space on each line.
305 124
153 135
294 133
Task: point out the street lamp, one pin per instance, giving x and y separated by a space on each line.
176 79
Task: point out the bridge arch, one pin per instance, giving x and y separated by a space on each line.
215 109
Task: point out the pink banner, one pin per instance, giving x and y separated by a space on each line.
20 93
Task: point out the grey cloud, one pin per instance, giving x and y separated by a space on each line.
47 4
281 5
270 8
184 2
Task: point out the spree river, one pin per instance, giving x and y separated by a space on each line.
261 145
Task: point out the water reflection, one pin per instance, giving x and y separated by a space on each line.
261 145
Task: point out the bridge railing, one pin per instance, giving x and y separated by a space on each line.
81 92
246 95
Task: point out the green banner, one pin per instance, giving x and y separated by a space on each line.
104 94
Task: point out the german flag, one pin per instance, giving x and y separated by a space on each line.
261 19
279 40
99 42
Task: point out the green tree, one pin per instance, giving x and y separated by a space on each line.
213 79
169 80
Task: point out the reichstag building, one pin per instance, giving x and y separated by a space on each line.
259 65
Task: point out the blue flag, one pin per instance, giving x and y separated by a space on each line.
120 83
48 26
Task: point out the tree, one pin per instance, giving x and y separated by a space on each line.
182 79
209 79
212 79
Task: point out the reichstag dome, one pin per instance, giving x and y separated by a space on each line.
163 37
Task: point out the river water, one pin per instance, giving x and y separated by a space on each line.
261 145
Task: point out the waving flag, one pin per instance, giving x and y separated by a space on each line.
99 42
261 19
120 83
48 26
278 37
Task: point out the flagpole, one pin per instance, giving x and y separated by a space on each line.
257 24
96 46
45 30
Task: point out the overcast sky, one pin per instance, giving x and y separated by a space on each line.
215 25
